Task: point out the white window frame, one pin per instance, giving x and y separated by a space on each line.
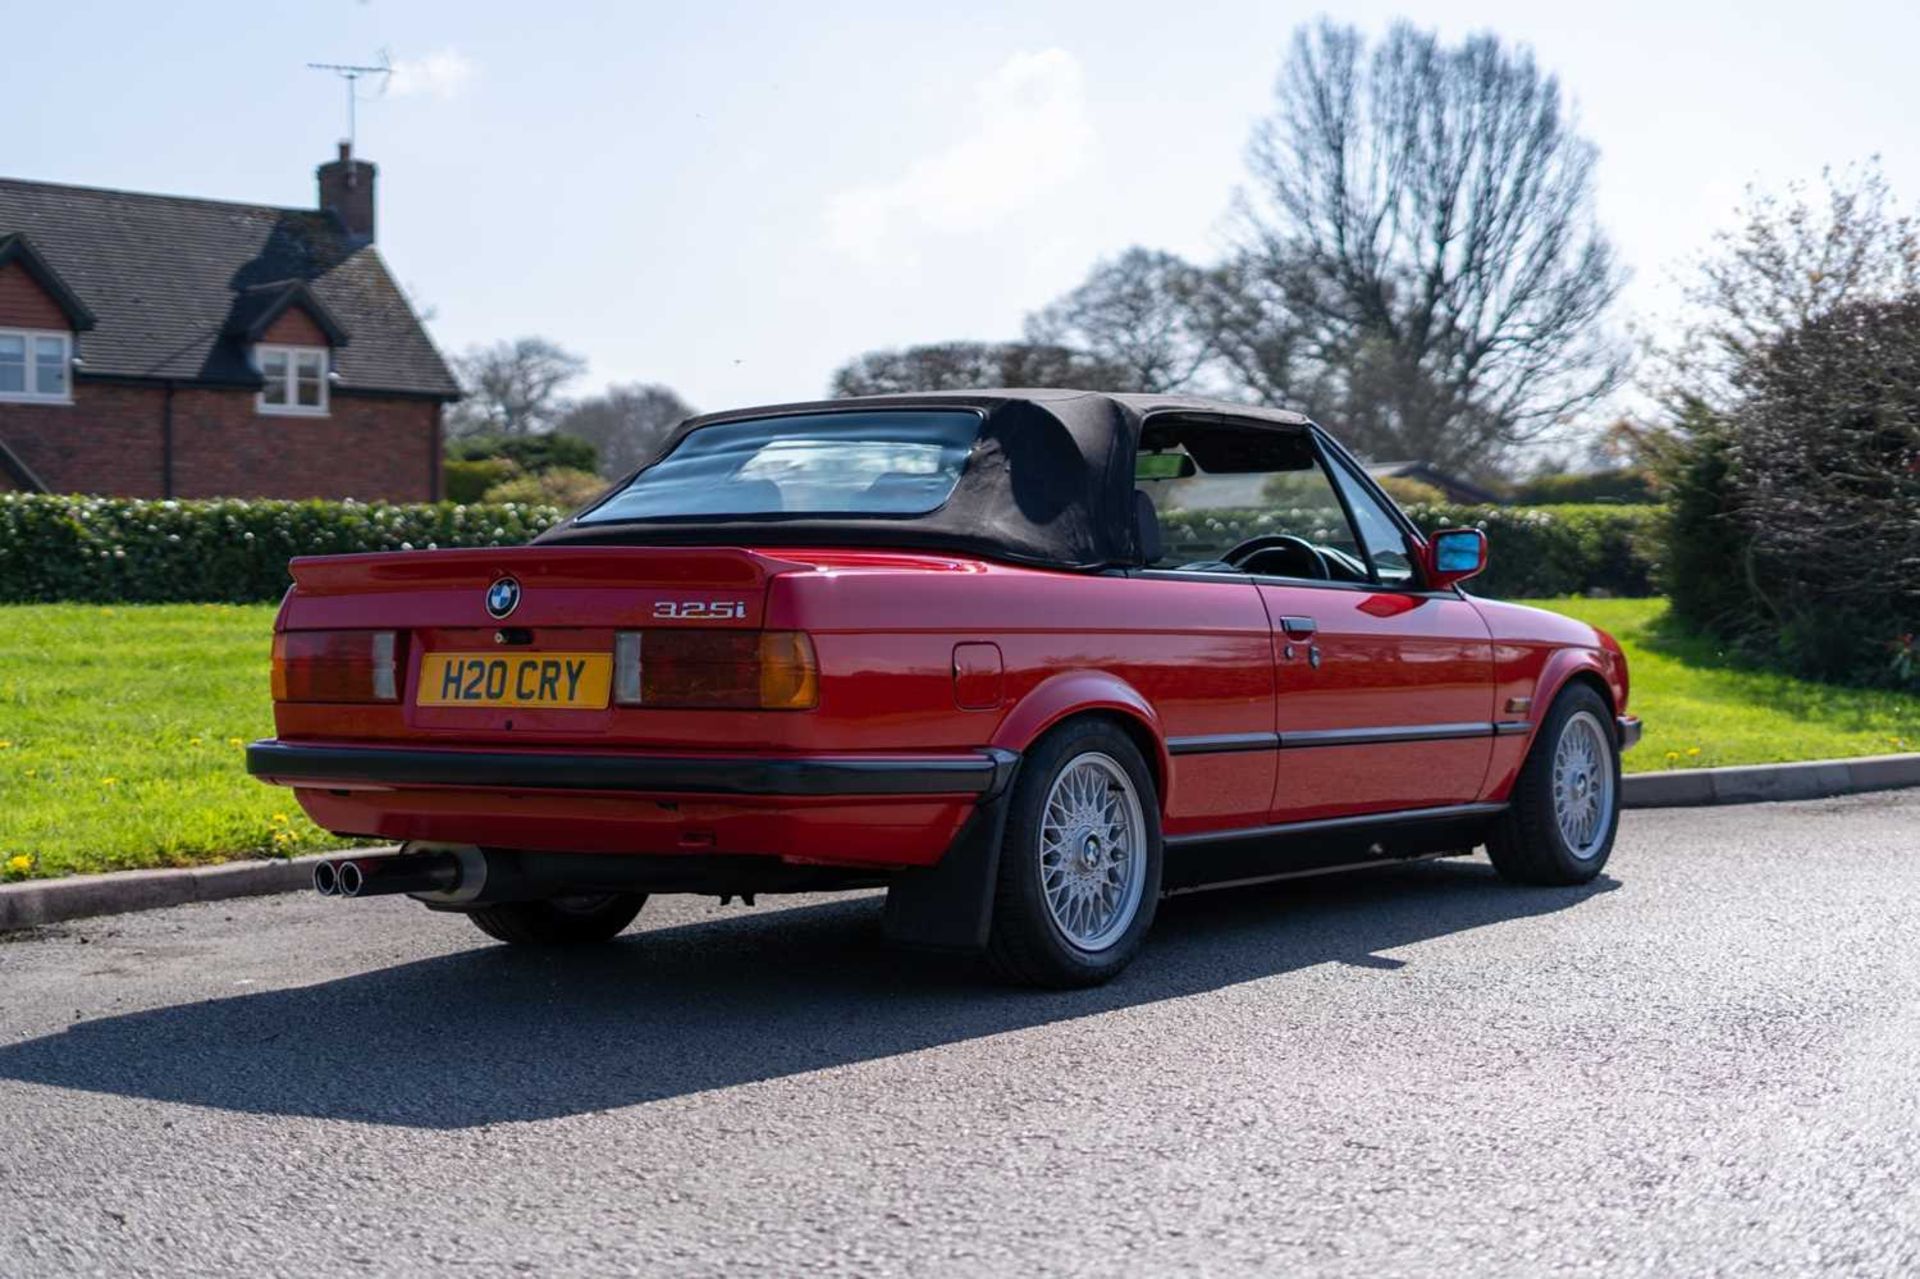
291 381
30 395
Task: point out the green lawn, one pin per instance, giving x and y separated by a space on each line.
121 728
121 731
1702 709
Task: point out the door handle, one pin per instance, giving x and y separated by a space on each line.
1299 627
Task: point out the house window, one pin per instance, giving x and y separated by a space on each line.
36 366
296 379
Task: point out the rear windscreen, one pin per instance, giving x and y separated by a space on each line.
903 462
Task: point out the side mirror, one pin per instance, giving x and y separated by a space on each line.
1454 555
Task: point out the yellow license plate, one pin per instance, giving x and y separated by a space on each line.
563 681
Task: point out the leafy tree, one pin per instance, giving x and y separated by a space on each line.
627 424
512 388
1134 314
1422 266
949 366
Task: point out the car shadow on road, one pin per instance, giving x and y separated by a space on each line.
493 1035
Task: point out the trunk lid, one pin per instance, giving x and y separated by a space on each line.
593 587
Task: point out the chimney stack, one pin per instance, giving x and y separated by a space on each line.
346 191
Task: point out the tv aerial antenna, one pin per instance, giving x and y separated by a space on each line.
352 75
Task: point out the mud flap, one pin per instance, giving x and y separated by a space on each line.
949 905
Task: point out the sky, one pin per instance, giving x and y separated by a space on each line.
734 198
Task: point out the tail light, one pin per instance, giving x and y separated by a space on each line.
336 666
716 670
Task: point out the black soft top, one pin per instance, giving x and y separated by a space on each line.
1050 481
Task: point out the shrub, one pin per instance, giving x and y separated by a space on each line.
561 487
108 550
467 480
534 454
1802 529
1566 550
1704 537
1627 485
1411 492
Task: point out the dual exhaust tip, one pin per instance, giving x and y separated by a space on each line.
442 872
339 879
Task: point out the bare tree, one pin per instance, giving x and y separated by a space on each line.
512 388
627 424
951 366
1792 259
1134 314
1422 265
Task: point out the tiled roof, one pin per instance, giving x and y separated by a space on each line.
170 280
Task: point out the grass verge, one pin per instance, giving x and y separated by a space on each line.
121 735
1704 709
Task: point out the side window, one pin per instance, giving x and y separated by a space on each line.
1385 542
1246 500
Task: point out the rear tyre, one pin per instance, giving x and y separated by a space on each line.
1559 827
1079 873
559 921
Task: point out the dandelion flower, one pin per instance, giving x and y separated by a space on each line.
19 865
234 741
1692 751
6 746
109 781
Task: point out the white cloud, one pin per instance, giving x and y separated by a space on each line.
439 75
1028 132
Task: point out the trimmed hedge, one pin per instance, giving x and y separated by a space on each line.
115 550
1536 551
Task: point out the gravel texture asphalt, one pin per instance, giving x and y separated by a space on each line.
1706 1062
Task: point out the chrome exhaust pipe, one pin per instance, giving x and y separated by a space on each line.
423 872
326 880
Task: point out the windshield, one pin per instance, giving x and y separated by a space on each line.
902 462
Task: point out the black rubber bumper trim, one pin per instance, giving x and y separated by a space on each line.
984 773
1629 727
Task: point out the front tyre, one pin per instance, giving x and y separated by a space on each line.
1565 809
1079 873
559 921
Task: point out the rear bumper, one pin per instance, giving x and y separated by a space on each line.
1629 731
980 774
824 810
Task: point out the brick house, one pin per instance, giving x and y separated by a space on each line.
161 346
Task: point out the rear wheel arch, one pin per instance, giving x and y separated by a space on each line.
1078 695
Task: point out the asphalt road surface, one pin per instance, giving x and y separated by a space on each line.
1707 1062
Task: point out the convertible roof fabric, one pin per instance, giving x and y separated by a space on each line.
1049 483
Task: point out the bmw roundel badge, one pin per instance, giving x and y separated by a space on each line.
503 597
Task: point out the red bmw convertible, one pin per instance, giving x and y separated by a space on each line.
1029 660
